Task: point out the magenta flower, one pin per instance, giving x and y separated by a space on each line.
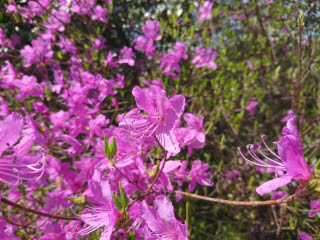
200 175
109 61
162 221
162 113
17 167
249 64
315 205
103 214
2 38
290 114
99 13
304 236
28 86
290 159
205 11
144 44
252 106
150 30
278 195
195 131
205 57
126 56
231 174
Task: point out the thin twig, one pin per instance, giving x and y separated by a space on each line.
239 203
30 210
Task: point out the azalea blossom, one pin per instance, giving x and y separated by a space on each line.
162 113
162 221
103 214
20 165
304 236
289 159
205 11
315 205
252 106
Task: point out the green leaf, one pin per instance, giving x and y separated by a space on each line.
113 147
124 198
317 168
106 144
117 201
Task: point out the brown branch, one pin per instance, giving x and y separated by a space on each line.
30 210
239 203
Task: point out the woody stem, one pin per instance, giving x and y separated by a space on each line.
239 203
30 210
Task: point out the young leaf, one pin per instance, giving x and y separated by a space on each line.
124 198
117 201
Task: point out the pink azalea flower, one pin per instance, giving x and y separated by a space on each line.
278 195
290 159
2 38
252 106
28 86
162 221
231 174
150 30
17 167
109 61
144 44
103 214
200 175
315 205
38 9
304 236
195 131
169 62
205 57
162 113
99 13
126 56
205 11
249 64
290 114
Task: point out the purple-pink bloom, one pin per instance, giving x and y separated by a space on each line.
290 159
290 114
195 131
205 57
150 30
56 20
36 8
126 56
200 175
28 86
278 195
144 44
162 221
17 167
231 174
249 64
99 13
162 113
205 11
315 205
103 214
2 38
252 106
109 61
304 236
